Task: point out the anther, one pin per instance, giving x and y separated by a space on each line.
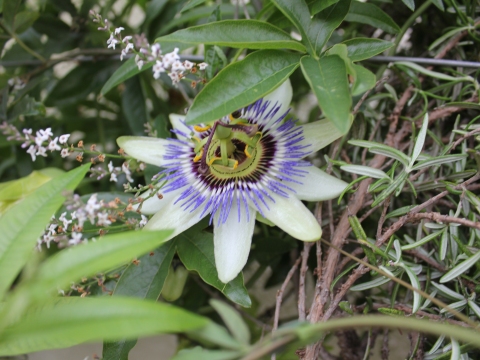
201 128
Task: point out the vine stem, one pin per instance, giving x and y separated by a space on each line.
22 44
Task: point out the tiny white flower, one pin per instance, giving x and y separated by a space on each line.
188 65
118 30
51 229
143 222
202 66
127 172
41 151
81 217
155 50
177 66
76 239
63 138
110 167
47 239
112 42
103 219
65 221
113 177
64 153
52 146
158 69
46 133
139 62
27 132
126 39
170 58
32 150
175 77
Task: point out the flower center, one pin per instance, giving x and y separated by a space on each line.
230 150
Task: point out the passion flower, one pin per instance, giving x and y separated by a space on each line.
244 166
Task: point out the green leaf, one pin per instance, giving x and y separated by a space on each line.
364 48
370 14
410 4
461 268
315 32
104 254
242 83
10 9
233 321
79 83
191 4
365 170
28 106
174 283
144 280
154 8
196 252
17 189
439 4
134 106
417 149
416 285
250 34
382 149
433 74
22 224
124 72
328 79
215 334
25 19
364 80
199 353
64 322
317 6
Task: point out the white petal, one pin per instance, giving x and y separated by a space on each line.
317 185
143 148
290 215
319 134
172 216
281 96
178 123
232 241
154 204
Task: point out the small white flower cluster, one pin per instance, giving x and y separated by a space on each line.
116 39
16 83
68 232
114 171
39 144
169 63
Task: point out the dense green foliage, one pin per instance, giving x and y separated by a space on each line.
401 242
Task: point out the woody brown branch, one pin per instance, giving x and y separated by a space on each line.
393 138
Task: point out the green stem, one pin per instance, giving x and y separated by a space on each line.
22 44
407 24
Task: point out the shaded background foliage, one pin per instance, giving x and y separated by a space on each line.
61 63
